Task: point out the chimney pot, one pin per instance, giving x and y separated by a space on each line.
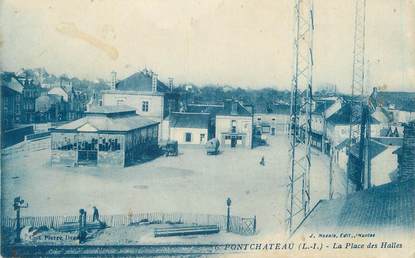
154 82
113 80
171 84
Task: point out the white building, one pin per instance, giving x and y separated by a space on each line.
278 120
149 96
401 105
234 125
59 91
383 161
190 128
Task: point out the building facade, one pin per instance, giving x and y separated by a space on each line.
150 97
234 125
110 136
11 98
190 128
31 91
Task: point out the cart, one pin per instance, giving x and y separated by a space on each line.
212 147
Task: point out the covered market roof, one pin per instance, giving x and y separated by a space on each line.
108 119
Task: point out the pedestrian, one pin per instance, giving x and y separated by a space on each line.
262 162
82 226
95 214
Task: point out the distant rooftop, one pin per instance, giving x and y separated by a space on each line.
404 101
323 105
342 116
141 81
234 108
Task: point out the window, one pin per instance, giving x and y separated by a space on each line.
188 137
120 102
144 106
227 137
239 137
202 137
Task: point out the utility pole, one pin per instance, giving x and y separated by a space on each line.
300 115
331 172
357 102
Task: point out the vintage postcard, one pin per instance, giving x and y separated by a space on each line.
191 128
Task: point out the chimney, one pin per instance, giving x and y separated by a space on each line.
171 84
113 79
407 159
234 107
154 83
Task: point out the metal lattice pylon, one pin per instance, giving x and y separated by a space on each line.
358 79
300 115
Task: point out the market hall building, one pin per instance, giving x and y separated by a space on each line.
108 136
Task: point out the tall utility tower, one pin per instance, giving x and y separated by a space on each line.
357 102
300 115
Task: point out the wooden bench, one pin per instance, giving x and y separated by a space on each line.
186 230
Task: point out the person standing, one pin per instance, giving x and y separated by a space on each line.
262 162
95 214
82 226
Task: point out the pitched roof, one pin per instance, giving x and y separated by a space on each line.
101 123
323 105
342 116
376 148
404 101
234 108
189 120
10 81
384 207
141 81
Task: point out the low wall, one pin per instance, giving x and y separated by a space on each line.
15 135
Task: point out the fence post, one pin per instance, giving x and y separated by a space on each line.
254 224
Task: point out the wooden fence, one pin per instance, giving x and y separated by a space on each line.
239 225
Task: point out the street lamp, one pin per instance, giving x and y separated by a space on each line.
17 205
228 218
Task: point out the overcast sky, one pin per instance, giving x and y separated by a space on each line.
245 43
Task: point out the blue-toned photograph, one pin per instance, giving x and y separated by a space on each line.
190 128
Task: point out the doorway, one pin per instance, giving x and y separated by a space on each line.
87 157
233 141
